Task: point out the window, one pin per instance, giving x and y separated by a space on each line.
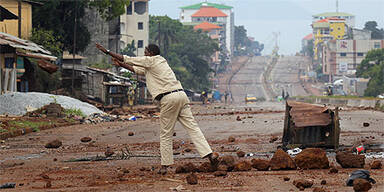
140 44
376 45
140 7
343 54
360 54
140 25
9 62
129 9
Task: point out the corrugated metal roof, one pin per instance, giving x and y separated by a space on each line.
209 12
32 48
307 115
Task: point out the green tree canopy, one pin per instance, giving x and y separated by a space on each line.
373 67
376 32
244 45
188 51
59 16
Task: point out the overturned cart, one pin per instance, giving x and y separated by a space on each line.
311 125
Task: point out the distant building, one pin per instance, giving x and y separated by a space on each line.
341 57
354 86
305 42
359 34
186 17
214 33
327 29
349 18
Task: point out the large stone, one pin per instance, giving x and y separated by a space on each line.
350 160
53 144
303 183
186 168
312 158
376 164
361 185
192 179
281 161
260 164
85 139
240 153
243 166
228 161
206 167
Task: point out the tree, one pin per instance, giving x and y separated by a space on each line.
59 17
373 67
129 49
244 45
46 39
376 32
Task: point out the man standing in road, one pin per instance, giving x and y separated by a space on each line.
174 103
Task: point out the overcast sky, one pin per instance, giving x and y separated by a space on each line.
292 18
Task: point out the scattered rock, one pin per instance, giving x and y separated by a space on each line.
54 159
186 168
281 161
228 161
48 184
53 144
131 133
206 167
231 139
286 178
273 139
365 124
108 152
240 153
187 150
174 134
361 185
223 168
243 166
192 179
333 170
44 176
312 158
323 182
125 170
376 164
318 189
260 164
238 118
85 139
303 183
350 160
220 173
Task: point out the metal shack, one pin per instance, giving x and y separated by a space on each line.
311 125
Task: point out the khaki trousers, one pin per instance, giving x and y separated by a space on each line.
175 107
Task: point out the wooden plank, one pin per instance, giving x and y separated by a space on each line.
336 128
6 78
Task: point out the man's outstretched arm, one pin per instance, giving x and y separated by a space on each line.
114 55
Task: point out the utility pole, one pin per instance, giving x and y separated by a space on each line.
337 6
74 51
19 15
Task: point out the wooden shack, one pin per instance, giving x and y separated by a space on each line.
311 125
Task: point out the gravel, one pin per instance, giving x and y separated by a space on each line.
16 103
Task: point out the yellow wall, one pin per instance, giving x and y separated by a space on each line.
11 26
337 30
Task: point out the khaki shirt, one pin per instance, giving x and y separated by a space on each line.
159 76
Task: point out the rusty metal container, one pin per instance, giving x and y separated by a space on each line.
311 125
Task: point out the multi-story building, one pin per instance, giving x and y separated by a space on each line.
134 26
349 18
214 33
327 29
341 57
187 19
12 26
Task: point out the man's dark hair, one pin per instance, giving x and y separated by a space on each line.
154 49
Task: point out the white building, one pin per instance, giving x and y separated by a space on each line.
134 25
186 18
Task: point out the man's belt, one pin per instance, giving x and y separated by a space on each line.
161 95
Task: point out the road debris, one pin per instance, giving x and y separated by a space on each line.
231 139
220 173
243 166
303 183
361 185
312 158
53 144
7 186
293 152
281 161
131 133
273 139
186 168
192 179
323 182
376 164
240 153
86 139
362 174
286 178
333 170
318 189
260 164
350 160
365 124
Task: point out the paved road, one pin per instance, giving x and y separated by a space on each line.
285 75
249 80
